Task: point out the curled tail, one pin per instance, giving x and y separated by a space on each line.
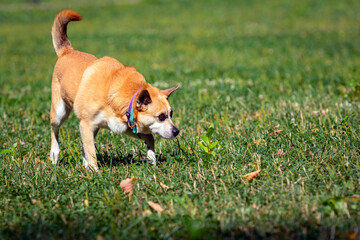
58 32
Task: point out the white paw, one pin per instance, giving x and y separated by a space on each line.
85 163
54 157
151 157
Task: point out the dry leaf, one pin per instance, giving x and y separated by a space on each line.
260 141
251 175
281 152
256 115
277 131
127 186
350 235
155 206
37 160
255 206
163 186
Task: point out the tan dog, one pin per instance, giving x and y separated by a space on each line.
104 94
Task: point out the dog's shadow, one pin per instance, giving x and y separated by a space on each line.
110 159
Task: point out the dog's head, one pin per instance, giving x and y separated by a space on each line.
154 112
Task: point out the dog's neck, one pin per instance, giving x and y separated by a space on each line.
131 115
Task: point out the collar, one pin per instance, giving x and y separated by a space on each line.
130 115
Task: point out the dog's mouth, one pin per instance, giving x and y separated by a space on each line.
169 134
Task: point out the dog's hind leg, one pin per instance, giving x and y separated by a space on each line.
58 114
88 133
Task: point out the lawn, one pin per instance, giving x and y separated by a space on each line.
279 81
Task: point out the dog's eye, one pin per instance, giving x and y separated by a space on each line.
171 113
162 117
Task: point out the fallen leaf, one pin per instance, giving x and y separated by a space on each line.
163 186
260 142
251 175
37 160
277 131
255 206
350 235
281 152
127 186
155 206
256 115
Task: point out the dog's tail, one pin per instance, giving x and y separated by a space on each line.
58 32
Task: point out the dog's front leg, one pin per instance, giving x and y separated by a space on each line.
150 145
89 153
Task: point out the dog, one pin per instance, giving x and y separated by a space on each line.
104 94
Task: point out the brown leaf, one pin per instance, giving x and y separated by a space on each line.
37 160
277 131
256 115
281 152
155 206
251 175
260 141
127 186
163 186
350 235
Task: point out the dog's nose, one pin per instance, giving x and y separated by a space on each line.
175 131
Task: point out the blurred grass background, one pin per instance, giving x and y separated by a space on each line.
279 79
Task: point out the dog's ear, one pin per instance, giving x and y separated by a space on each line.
143 100
169 91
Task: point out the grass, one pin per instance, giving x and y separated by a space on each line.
278 79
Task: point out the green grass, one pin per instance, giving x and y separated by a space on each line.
249 67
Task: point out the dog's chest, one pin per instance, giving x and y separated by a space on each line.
112 123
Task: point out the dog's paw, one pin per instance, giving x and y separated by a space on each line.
151 158
152 162
54 157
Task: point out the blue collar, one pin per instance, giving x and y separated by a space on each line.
130 115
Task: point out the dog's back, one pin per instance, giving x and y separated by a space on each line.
71 64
